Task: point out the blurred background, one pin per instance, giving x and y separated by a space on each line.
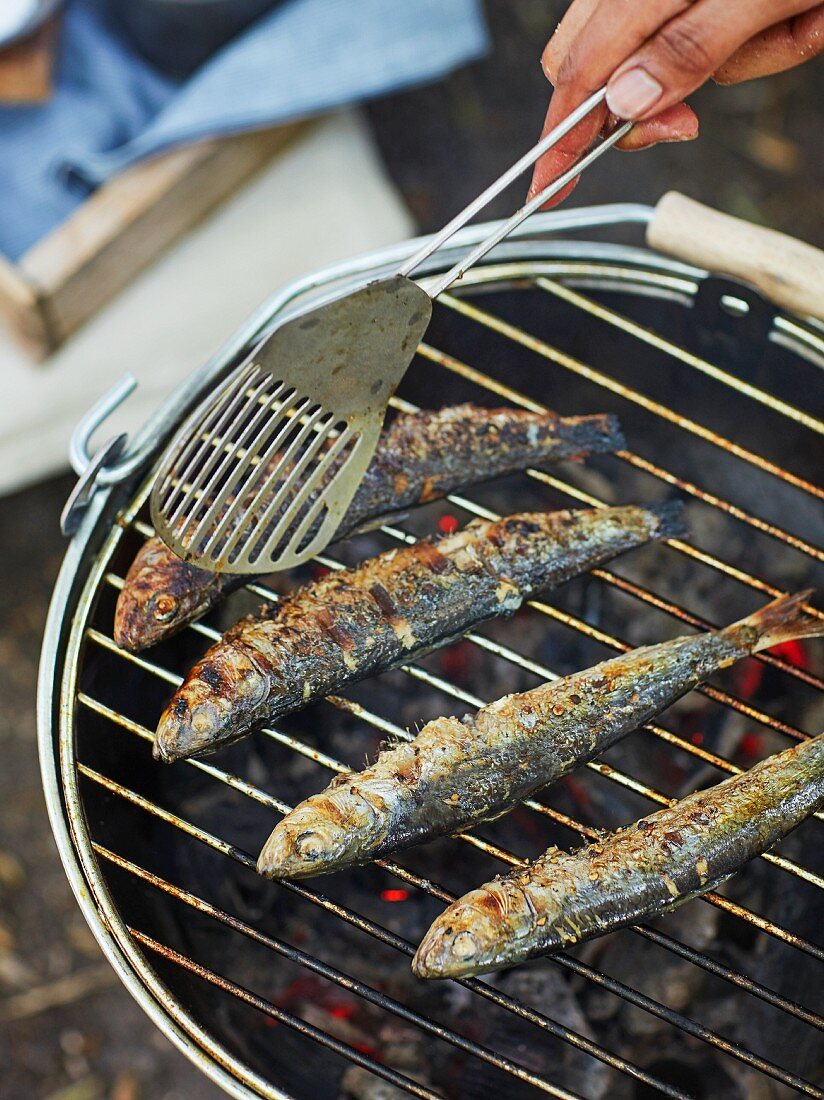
303 154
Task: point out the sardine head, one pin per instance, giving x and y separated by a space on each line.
218 702
326 832
464 940
160 595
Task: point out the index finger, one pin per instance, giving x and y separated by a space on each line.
593 38
570 148
592 41
576 17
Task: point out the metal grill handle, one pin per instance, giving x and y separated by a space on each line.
788 272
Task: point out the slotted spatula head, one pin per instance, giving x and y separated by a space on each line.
261 474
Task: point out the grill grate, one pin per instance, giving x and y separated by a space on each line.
84 703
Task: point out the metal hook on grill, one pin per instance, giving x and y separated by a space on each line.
86 465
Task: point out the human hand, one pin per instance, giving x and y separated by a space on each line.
652 53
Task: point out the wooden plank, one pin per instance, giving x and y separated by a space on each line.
130 221
26 67
21 309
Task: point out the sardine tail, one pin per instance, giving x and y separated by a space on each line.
597 434
783 620
671 523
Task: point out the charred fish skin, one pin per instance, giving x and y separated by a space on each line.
421 456
400 605
161 593
634 874
459 772
428 454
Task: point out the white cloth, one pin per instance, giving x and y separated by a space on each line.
323 199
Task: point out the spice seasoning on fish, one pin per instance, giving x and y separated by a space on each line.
355 623
458 772
628 876
421 456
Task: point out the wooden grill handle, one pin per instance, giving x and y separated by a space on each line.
788 272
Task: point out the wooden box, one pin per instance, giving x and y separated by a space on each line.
64 279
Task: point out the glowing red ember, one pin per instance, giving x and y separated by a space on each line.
398 894
750 745
793 653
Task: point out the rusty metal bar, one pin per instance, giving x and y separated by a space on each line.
389 727
647 336
758 584
592 375
321 1037
611 984
514 658
369 927
338 977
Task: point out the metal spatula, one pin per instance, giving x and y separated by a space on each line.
260 476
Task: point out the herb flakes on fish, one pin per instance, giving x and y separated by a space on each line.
640 871
420 457
391 609
458 772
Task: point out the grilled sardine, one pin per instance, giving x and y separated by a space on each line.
421 456
635 873
458 772
391 609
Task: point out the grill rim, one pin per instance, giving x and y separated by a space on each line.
78 860
97 537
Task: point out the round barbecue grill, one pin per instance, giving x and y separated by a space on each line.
304 990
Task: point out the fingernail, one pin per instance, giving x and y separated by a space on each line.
632 93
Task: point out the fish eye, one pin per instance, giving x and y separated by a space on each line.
164 607
308 845
464 946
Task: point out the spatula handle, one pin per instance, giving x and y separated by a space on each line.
503 181
535 203
788 272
